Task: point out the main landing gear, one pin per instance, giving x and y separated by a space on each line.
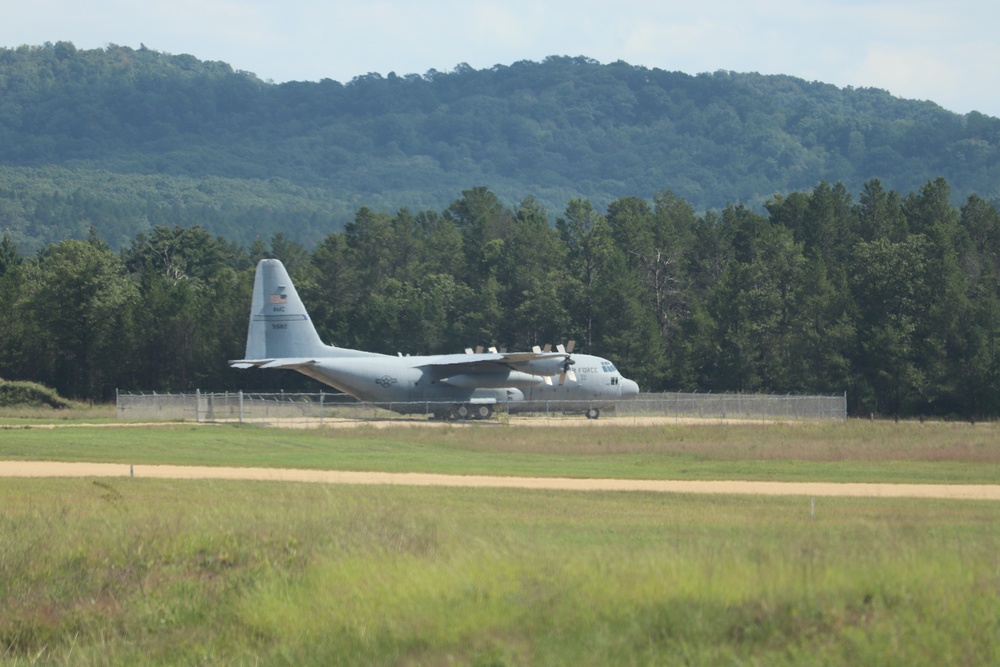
474 411
593 413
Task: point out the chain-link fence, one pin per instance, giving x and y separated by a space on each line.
781 407
323 407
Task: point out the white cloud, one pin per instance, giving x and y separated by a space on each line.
909 71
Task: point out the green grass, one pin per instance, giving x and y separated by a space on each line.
854 452
161 572
157 572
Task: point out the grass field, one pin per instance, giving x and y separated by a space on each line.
832 452
141 571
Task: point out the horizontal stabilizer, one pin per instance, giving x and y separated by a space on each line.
290 363
274 363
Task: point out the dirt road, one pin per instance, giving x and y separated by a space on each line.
59 469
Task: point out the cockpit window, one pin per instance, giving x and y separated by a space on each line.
608 367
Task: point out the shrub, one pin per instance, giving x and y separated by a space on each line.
31 394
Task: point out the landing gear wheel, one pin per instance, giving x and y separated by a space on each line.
593 413
483 411
463 412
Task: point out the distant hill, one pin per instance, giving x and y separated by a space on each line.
124 139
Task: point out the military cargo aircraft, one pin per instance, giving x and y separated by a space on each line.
465 386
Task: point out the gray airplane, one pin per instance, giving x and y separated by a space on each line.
467 386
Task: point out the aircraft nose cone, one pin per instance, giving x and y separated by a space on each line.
630 389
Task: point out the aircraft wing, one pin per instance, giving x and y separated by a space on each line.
491 370
530 367
492 359
483 358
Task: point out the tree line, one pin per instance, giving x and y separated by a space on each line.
894 299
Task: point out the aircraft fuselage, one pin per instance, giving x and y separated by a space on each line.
281 335
387 379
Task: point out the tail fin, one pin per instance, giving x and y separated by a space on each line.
279 324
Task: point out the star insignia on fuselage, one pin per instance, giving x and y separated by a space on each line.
386 381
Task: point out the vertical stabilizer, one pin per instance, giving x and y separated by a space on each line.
279 324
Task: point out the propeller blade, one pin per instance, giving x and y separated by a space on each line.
536 349
571 375
570 345
547 348
468 350
479 349
562 378
493 350
548 380
560 348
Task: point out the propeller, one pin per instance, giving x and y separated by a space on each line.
479 350
567 371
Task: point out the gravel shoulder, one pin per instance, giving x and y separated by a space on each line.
67 469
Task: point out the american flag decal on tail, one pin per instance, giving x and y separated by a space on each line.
277 299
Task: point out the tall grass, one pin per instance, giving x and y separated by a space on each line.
30 415
157 572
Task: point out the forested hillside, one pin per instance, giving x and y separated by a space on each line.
124 139
893 298
720 232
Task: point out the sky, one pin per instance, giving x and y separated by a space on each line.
946 52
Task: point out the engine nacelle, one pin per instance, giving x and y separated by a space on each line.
513 379
553 365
